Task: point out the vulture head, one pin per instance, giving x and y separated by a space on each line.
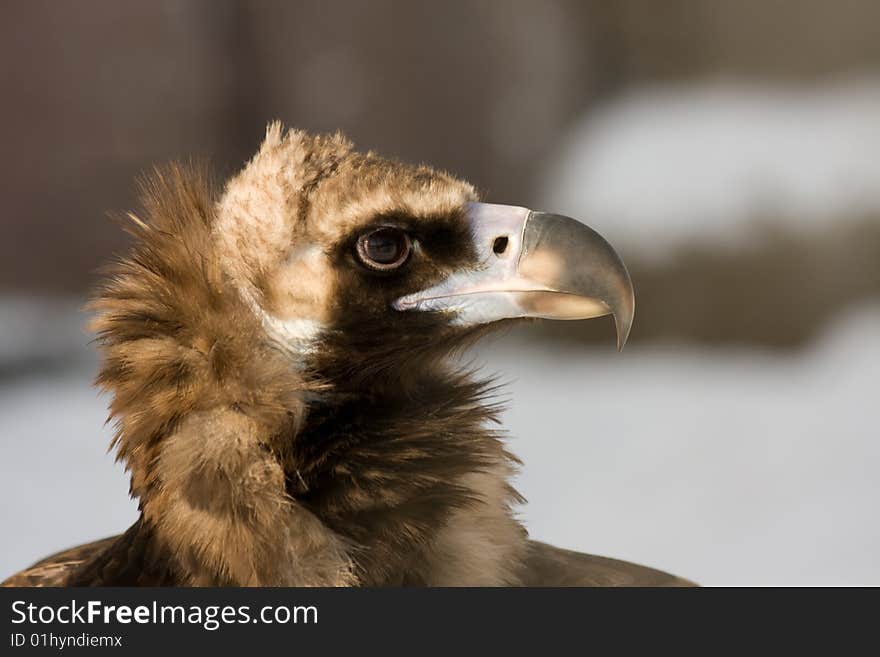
276 353
359 267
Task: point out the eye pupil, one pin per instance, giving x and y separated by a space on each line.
384 248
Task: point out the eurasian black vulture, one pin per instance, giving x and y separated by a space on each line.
278 360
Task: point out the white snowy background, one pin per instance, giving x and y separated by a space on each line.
672 165
728 465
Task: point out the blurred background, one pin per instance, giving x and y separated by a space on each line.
729 150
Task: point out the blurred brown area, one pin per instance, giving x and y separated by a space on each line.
768 39
98 91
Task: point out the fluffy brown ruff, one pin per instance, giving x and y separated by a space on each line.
242 478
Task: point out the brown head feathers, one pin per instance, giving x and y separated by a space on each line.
282 426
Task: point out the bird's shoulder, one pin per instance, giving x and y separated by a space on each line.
547 565
56 569
134 558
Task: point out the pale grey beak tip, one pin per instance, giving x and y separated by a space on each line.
625 311
588 267
623 326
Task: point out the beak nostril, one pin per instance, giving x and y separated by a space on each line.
500 245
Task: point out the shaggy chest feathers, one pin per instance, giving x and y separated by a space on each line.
253 470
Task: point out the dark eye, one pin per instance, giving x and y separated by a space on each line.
384 249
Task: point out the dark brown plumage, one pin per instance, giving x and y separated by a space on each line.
284 423
544 565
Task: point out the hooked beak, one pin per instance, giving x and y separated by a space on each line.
532 264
